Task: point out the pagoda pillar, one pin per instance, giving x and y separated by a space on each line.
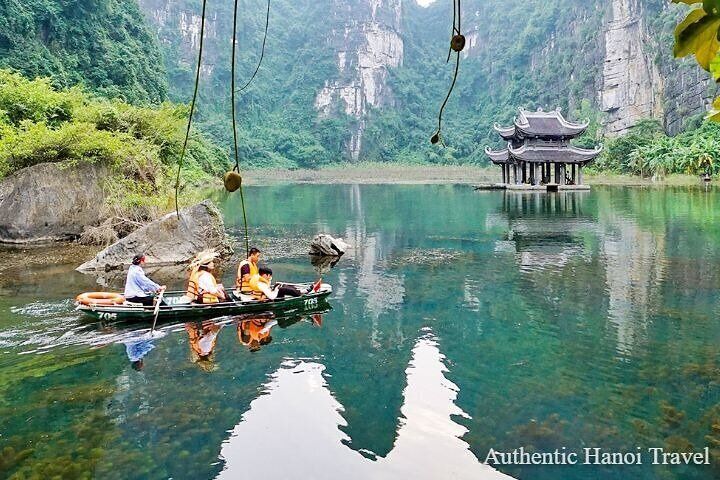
562 174
557 173
548 177
515 173
580 179
502 168
535 173
524 172
574 180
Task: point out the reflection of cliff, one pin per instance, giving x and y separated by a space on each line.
550 236
634 269
382 291
299 408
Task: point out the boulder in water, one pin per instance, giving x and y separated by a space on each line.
167 241
49 202
324 244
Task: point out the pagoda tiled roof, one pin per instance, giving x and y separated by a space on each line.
553 153
541 124
498 157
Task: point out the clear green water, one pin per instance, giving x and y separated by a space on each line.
461 321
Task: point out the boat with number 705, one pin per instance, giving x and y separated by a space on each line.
178 306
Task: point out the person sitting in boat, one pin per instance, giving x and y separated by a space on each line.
263 290
138 286
248 272
202 286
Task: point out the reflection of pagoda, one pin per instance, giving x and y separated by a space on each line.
538 152
544 232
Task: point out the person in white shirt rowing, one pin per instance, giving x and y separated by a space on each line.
138 287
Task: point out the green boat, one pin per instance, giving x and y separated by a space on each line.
177 307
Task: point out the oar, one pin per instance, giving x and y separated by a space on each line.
157 309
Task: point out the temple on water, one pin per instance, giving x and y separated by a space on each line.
538 153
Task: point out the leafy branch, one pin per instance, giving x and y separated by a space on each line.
699 34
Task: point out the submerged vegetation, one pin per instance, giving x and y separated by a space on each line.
39 123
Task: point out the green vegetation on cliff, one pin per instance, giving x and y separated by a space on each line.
648 151
103 44
141 145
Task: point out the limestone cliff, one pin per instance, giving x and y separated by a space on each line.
632 87
366 42
641 79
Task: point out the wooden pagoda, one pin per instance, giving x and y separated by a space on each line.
539 154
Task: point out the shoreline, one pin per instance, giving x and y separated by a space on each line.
384 174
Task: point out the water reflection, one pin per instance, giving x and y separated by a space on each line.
588 321
299 408
255 332
544 231
202 338
553 234
137 348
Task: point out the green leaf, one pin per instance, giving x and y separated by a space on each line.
698 34
715 68
711 7
713 116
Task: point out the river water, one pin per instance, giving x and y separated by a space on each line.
461 322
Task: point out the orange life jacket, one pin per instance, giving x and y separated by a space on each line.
253 329
247 286
256 292
193 290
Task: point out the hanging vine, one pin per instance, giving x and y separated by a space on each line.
233 179
457 44
262 50
192 108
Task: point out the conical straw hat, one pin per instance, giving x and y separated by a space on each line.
203 258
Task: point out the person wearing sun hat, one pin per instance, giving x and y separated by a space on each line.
202 286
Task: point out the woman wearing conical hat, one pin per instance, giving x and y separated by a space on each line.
202 286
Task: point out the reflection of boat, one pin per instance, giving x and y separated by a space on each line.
177 307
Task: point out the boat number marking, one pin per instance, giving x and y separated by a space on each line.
310 302
107 316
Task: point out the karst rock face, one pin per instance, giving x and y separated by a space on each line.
619 51
366 41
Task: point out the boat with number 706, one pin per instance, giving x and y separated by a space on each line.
178 306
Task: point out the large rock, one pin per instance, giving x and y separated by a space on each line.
324 244
50 202
168 241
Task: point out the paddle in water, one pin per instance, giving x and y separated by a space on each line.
158 301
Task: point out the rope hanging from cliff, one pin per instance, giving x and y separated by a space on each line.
262 50
234 124
192 108
457 43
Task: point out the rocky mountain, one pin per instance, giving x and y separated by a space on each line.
373 73
104 44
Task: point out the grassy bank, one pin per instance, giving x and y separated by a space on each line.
379 173
369 172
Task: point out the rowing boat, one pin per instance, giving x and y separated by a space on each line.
177 306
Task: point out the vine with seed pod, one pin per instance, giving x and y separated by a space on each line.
457 44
